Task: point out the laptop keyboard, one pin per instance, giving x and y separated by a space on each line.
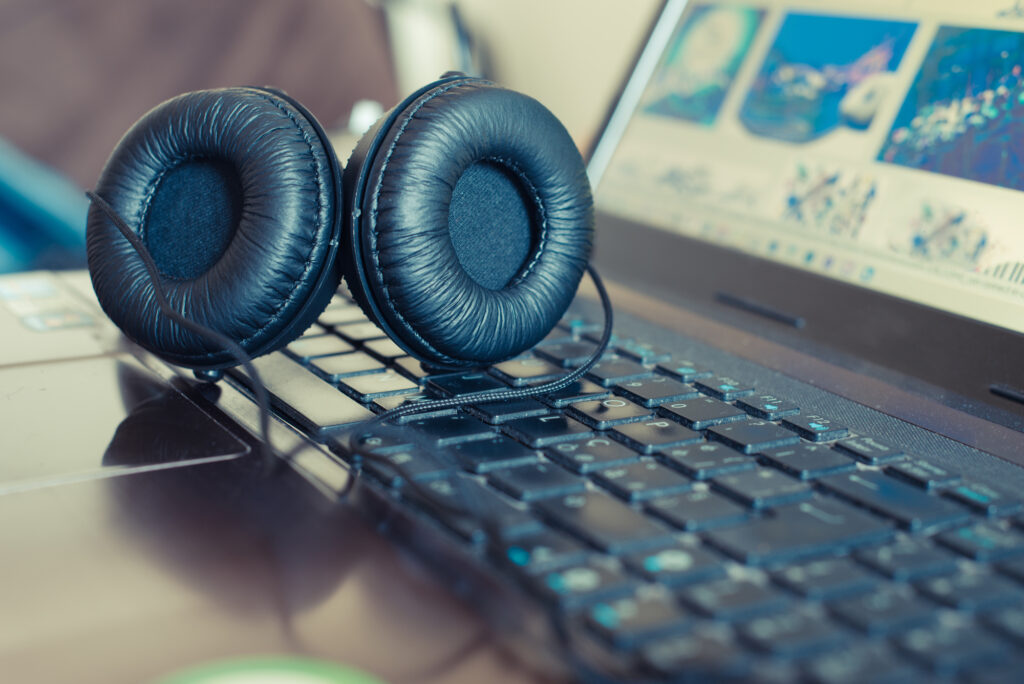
689 522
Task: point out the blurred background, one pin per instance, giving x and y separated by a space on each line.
75 75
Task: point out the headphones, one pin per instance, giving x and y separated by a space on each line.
462 224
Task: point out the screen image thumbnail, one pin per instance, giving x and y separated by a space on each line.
964 114
701 63
823 72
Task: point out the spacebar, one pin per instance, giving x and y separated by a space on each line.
312 403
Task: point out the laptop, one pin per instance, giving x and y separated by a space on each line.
800 459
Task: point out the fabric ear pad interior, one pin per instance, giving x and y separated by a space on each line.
235 194
471 223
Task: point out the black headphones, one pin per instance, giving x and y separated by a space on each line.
462 223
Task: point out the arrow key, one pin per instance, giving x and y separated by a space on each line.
816 428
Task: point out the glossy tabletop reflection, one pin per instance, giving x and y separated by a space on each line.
125 579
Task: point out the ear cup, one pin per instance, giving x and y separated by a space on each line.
235 193
470 223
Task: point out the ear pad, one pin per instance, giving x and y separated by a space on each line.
470 223
235 194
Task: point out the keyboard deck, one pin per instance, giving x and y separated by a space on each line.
687 523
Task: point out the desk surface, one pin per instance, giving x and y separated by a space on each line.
139 538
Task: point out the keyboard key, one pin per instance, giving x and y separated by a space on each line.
396 400
815 428
644 352
498 412
605 413
359 332
697 510
923 474
948 651
971 592
870 450
341 315
334 368
567 354
580 390
762 487
984 542
704 655
369 387
655 390
522 372
1008 621
1013 567
542 431
447 430
378 439
412 369
732 600
752 436
543 549
591 455
1007 669
655 435
812 528
990 500
577 585
705 461
793 635
394 468
676 564
809 461
464 383
866 662
313 404
767 406
603 521
905 503
908 559
684 369
384 348
724 388
486 513
613 370
557 336
310 346
642 480
827 579
647 614
484 455
536 481
702 412
577 325
889 610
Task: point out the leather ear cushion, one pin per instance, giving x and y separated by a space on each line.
277 270
412 278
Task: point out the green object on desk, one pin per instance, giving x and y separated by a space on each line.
270 670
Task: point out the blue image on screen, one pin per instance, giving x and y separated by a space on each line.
701 62
823 72
964 114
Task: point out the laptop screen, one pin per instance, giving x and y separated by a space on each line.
878 143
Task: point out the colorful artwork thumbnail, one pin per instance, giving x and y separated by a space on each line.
964 114
823 72
701 62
